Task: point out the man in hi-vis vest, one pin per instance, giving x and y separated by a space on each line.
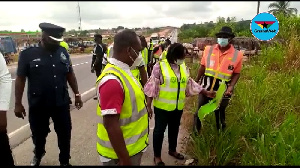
220 62
123 124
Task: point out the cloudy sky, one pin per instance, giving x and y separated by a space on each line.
27 15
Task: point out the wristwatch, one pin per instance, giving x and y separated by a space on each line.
77 95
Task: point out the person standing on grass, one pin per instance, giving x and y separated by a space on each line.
5 93
220 62
48 69
123 124
168 85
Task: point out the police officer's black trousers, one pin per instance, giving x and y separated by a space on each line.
39 124
6 158
162 120
219 114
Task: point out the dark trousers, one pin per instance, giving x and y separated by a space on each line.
219 114
162 120
6 158
98 69
39 124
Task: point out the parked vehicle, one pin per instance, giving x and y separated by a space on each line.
7 47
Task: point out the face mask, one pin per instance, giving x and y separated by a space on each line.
223 42
179 61
137 61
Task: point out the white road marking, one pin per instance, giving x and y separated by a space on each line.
27 125
72 65
17 130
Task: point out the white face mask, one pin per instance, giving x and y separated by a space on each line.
223 42
137 61
179 61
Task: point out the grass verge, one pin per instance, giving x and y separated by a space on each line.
262 118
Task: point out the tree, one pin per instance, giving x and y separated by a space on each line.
282 7
22 30
120 28
220 19
83 33
228 19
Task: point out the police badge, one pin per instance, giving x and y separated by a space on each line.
62 56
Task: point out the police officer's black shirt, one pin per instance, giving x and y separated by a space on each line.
47 76
98 50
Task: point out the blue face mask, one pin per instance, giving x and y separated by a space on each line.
223 42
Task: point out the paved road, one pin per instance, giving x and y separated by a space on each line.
83 143
174 35
85 79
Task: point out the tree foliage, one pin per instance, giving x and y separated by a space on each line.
188 32
282 7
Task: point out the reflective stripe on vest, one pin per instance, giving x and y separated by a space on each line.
169 98
145 57
109 49
212 72
133 117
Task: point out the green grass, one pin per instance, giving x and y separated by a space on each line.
262 118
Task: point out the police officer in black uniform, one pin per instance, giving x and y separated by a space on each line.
48 68
98 53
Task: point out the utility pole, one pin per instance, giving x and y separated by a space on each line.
258 4
79 18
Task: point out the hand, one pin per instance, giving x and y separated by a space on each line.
20 111
150 112
210 94
229 91
78 102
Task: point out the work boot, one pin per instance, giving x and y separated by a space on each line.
36 160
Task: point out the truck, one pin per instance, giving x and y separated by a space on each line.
155 38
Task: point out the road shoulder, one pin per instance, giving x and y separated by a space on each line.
83 144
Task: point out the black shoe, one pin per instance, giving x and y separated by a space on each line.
36 160
67 164
95 98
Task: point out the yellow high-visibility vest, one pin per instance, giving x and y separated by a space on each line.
136 73
65 45
172 92
164 55
151 46
133 117
145 57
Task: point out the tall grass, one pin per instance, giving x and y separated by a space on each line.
263 124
